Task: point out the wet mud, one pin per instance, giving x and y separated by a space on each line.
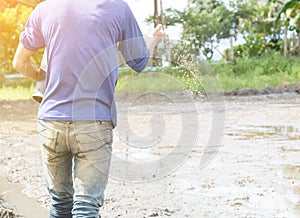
255 173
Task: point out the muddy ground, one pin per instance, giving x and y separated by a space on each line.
255 173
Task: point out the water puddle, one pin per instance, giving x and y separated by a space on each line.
292 173
287 135
20 202
251 132
297 210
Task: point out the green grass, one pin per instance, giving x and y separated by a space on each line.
232 82
258 73
16 92
271 70
150 82
167 81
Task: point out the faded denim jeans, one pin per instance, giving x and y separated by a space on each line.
76 157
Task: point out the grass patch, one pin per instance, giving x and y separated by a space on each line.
252 81
16 92
267 71
168 80
272 70
150 82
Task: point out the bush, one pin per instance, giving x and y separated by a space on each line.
267 64
269 70
275 63
12 21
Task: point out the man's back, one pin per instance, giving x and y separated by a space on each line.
81 38
74 125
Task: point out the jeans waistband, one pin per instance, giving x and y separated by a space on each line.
65 124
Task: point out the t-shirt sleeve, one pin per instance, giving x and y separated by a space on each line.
132 45
32 37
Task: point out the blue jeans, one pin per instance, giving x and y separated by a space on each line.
76 157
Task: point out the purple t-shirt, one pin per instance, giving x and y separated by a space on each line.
82 39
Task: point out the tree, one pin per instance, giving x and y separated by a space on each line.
204 23
11 25
12 21
13 3
257 26
13 16
292 17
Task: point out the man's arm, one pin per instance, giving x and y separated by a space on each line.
23 64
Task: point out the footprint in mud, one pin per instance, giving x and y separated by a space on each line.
242 182
237 202
292 172
161 212
208 184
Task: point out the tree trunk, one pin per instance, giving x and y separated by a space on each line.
232 58
155 13
154 58
285 42
299 44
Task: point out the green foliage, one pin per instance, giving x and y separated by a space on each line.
29 3
255 46
6 4
274 63
13 3
259 31
268 64
162 80
291 19
204 23
13 17
293 7
16 92
12 22
267 71
270 70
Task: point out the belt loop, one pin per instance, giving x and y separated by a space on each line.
67 126
68 123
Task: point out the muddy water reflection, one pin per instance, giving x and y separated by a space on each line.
13 194
265 132
285 138
292 173
297 210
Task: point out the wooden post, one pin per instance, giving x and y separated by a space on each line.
166 62
154 59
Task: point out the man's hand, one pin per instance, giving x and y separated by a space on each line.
158 36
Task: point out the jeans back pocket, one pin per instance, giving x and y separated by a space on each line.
93 137
49 138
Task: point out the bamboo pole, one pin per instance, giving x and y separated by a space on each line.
154 59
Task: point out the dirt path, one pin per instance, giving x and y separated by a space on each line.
256 172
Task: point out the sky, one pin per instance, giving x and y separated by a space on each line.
142 9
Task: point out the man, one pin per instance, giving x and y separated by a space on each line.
77 114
